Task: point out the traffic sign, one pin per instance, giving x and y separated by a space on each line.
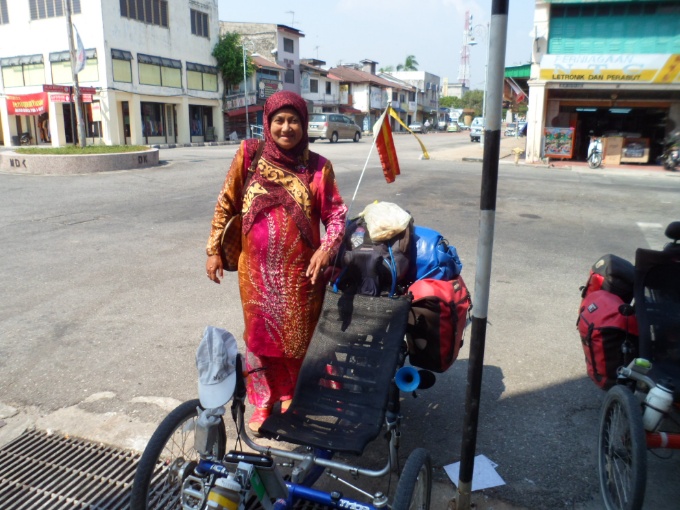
61 89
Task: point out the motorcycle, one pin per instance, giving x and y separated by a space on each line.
25 138
595 151
670 158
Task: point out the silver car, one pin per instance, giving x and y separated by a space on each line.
333 127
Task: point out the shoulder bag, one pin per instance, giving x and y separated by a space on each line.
230 242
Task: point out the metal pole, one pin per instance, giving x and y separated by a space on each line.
497 42
245 90
486 79
76 88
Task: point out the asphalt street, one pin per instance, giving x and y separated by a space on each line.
105 299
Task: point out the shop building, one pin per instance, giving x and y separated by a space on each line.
149 76
606 68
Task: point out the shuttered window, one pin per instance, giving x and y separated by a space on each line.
614 28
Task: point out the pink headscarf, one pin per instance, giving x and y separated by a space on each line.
293 158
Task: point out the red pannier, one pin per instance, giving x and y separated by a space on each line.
613 274
609 335
438 318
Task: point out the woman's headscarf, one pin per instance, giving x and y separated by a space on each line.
291 158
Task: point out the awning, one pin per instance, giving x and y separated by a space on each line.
22 60
349 109
399 110
65 56
242 111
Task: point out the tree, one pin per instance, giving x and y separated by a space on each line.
410 64
451 102
229 55
387 69
474 99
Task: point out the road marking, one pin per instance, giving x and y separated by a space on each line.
653 234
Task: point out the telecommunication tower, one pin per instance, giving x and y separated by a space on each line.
464 68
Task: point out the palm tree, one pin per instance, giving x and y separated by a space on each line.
387 69
409 65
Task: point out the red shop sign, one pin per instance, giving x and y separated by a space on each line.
27 104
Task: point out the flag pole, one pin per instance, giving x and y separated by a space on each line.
76 87
496 66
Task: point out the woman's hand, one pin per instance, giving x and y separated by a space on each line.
213 268
317 264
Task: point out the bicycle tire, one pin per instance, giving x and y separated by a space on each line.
622 451
595 160
154 486
414 488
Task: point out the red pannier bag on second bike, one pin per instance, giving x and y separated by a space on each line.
436 323
613 274
608 337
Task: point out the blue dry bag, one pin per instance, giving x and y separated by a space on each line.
434 258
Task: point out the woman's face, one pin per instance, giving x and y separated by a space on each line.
286 128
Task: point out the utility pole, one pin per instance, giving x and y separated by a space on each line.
76 87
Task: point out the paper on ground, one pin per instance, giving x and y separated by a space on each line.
483 474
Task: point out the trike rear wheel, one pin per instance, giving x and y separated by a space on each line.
622 451
158 479
415 483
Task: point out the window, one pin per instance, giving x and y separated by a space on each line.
201 77
199 23
4 16
122 65
23 71
152 119
60 64
289 76
394 95
314 86
41 9
288 45
161 71
328 87
153 12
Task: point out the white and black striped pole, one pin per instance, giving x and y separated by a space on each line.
492 130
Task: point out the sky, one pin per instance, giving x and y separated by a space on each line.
387 31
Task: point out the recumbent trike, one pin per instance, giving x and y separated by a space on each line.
643 410
346 393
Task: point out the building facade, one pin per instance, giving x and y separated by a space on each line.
277 44
425 103
149 76
607 67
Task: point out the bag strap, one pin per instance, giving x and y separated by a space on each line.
251 169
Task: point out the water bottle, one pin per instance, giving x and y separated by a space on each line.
658 402
357 237
225 494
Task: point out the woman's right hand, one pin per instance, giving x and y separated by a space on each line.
213 268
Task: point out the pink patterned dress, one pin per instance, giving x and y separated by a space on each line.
282 212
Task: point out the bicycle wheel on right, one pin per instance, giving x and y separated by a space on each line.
415 483
622 451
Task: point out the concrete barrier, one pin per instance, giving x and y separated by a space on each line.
57 164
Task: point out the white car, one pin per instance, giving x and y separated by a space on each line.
476 129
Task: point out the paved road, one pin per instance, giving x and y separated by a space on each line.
105 298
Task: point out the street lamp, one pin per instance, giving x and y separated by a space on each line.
485 34
251 46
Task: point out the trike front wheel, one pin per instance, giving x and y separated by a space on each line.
622 451
159 476
415 483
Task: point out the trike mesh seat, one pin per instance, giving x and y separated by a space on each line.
657 308
344 383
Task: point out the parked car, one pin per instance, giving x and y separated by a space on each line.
511 129
453 128
416 127
441 125
333 127
476 129
522 129
462 125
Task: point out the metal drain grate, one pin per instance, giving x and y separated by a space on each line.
47 471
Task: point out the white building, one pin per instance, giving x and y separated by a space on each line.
149 64
425 104
318 87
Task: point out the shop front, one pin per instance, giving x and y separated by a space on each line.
631 101
26 116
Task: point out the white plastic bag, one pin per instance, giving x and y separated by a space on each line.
385 220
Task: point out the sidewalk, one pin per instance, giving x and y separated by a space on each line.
474 152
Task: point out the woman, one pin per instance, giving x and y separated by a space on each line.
283 254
